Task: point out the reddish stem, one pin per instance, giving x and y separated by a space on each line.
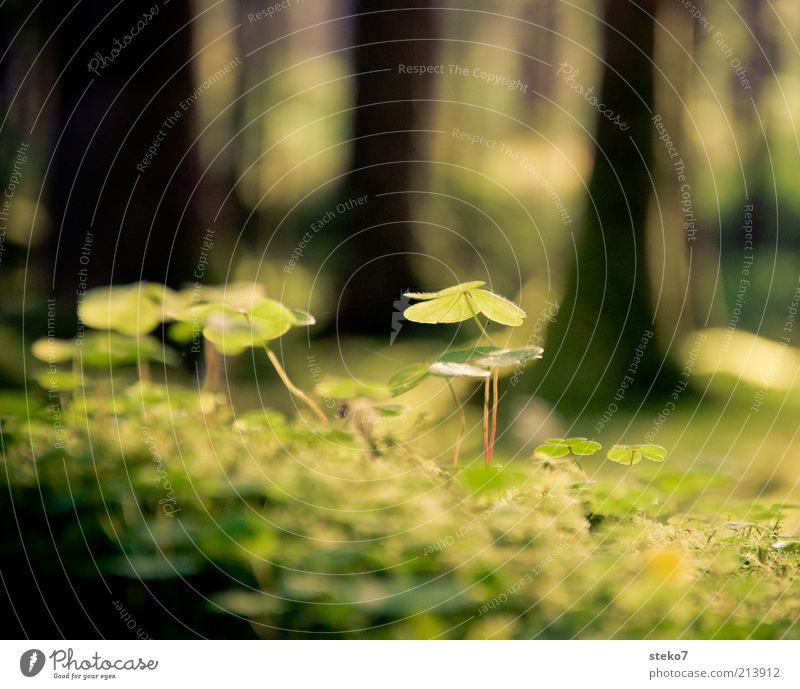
495 378
487 459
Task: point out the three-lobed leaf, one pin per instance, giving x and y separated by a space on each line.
633 454
447 291
561 447
496 308
127 309
232 330
448 309
461 302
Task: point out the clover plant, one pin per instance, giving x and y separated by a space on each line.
133 310
575 447
632 454
581 447
231 330
463 302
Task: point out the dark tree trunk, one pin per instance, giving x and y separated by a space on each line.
391 106
141 211
606 311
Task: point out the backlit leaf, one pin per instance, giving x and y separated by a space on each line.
624 455
447 291
127 309
270 319
408 378
582 446
230 333
448 309
447 369
302 318
510 357
497 308
464 356
655 453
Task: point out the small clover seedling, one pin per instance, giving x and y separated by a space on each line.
463 302
632 454
576 447
230 331
133 310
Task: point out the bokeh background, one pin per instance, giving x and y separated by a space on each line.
625 170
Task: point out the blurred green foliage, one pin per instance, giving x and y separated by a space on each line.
307 534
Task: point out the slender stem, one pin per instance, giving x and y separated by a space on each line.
575 457
487 459
463 420
297 392
478 322
495 403
212 361
143 367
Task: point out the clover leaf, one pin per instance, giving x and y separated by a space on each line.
632 454
135 309
561 447
461 302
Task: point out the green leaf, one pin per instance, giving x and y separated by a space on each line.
230 332
57 380
183 332
464 356
787 546
129 309
655 453
560 447
238 296
58 351
445 369
497 308
448 309
447 291
510 357
623 454
170 301
101 350
460 302
302 318
583 447
270 319
553 449
408 378
632 454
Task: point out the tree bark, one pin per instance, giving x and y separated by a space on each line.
607 311
391 108
141 212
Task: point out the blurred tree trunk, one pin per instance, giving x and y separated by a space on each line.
607 308
141 211
390 106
